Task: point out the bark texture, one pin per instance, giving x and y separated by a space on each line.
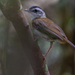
14 12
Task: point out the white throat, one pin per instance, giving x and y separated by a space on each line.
34 17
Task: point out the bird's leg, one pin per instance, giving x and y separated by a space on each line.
49 49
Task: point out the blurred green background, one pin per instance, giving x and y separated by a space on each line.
60 59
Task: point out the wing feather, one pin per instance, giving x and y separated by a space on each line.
49 28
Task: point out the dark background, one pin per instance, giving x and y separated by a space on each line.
60 59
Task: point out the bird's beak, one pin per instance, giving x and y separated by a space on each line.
27 10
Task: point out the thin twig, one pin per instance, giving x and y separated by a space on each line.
45 66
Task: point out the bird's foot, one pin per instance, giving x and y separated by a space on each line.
44 57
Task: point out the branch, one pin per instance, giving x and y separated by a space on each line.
45 66
14 12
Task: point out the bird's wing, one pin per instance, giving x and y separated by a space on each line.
47 27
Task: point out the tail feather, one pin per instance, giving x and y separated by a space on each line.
69 42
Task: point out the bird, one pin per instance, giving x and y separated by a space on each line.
45 28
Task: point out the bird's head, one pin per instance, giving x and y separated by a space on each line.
36 12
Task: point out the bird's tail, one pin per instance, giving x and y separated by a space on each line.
69 42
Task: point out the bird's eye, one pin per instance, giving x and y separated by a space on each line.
35 10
